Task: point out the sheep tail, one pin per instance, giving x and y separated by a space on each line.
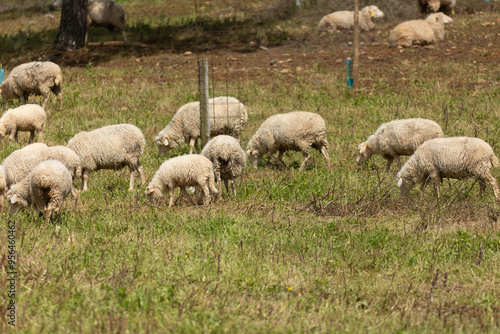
494 161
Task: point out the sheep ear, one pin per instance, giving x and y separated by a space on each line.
400 182
14 199
165 142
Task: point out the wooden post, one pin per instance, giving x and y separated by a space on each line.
204 109
356 45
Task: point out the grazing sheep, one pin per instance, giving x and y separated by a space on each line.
106 13
31 147
28 117
395 138
110 147
227 115
228 159
183 171
345 20
434 6
419 32
37 78
293 131
45 188
453 157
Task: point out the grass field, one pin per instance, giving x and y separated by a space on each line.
310 252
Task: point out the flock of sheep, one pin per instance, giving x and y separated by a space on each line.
41 177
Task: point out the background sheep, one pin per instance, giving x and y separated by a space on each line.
106 13
182 172
433 6
345 20
419 32
110 147
228 159
296 131
400 137
29 117
453 157
45 187
227 115
37 78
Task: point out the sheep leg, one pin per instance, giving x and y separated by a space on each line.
324 151
482 187
278 160
47 214
303 166
398 162
434 176
124 35
132 177
45 101
192 143
141 173
205 195
85 177
13 135
494 185
389 159
32 136
233 187
74 194
185 193
171 195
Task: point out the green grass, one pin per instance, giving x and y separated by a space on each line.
318 251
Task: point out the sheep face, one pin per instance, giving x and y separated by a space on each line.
375 12
253 156
446 18
16 203
154 194
163 145
405 184
364 153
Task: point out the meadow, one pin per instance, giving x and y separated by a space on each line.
311 252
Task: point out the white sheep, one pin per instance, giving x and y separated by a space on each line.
45 188
293 131
227 115
344 20
183 171
434 6
396 138
28 117
419 32
106 13
228 159
110 147
37 78
452 157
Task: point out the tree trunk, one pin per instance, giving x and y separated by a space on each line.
73 26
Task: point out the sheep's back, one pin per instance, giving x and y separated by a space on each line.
184 170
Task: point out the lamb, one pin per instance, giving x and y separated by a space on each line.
452 157
110 147
227 115
296 131
228 159
45 188
183 171
419 32
37 78
396 138
28 117
106 13
345 20
433 6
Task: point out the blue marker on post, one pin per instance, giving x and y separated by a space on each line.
350 80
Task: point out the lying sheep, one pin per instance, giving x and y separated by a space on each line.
45 188
453 157
227 115
434 6
110 147
293 131
395 138
228 159
183 171
37 78
106 13
419 32
344 20
29 117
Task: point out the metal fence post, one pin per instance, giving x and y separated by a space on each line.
204 109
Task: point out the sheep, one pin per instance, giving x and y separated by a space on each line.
434 6
228 159
34 146
227 115
28 117
45 188
183 171
396 138
37 78
419 32
110 147
296 131
452 157
345 20
106 13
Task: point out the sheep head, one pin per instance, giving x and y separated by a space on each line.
16 202
364 153
375 12
163 145
154 194
405 183
253 156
